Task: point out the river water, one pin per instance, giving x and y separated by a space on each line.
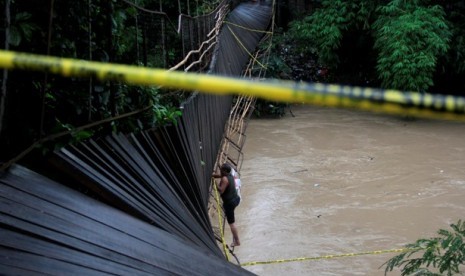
336 181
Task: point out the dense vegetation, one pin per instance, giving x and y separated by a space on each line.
35 106
416 45
442 255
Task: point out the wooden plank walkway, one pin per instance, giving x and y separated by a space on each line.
47 228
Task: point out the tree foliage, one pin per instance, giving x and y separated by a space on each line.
410 38
322 31
408 43
22 28
445 254
456 56
101 30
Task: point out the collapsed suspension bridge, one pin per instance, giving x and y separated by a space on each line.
138 203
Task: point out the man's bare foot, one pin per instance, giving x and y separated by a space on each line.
235 243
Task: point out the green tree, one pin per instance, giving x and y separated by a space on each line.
322 31
410 38
445 254
403 40
113 31
21 28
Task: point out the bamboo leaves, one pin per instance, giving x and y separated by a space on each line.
409 38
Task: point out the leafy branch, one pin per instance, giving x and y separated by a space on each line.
410 38
445 254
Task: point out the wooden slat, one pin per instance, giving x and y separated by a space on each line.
13 270
39 264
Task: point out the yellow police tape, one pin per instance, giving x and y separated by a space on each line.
327 257
217 198
375 100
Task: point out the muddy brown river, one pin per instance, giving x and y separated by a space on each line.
334 181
